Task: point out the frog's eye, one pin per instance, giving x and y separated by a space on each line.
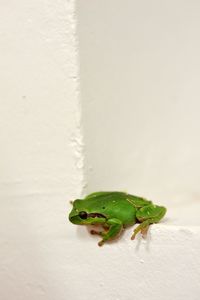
83 215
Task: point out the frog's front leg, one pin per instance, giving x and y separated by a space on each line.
148 215
115 226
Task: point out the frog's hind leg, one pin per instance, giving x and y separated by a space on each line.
148 215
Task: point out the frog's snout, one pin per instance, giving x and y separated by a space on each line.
72 215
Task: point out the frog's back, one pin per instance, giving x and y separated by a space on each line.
114 205
104 194
136 201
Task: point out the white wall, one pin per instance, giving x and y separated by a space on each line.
140 73
41 146
139 67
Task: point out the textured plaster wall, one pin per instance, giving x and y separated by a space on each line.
41 147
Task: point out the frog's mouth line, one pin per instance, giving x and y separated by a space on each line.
95 215
85 218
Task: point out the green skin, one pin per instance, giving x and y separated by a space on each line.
115 211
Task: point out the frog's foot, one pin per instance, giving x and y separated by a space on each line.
143 228
93 232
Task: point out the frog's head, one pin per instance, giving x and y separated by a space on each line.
78 214
81 215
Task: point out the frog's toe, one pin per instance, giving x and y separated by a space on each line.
133 236
144 232
101 243
94 232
